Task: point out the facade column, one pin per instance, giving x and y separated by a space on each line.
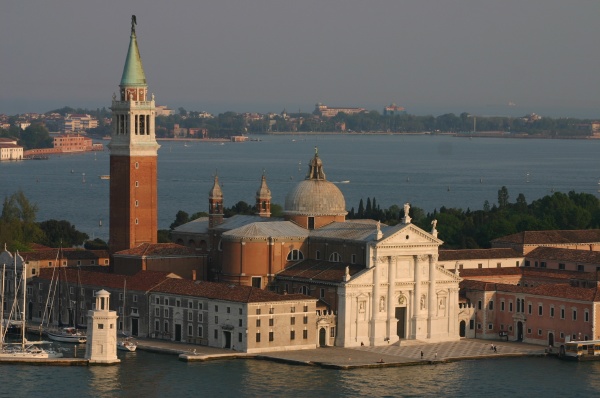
432 296
392 334
375 298
416 297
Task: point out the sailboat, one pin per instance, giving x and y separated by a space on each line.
68 334
24 349
125 343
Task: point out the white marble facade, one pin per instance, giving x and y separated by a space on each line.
401 295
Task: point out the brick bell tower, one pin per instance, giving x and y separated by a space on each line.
133 155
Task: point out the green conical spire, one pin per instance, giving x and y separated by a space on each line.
133 72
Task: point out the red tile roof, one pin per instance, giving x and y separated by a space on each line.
552 237
559 254
159 250
319 270
559 290
473 254
67 254
225 291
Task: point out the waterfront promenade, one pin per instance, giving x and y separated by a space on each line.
407 353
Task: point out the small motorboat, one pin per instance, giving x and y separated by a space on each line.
126 345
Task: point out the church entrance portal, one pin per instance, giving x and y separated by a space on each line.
401 325
463 329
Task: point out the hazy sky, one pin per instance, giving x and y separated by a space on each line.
485 57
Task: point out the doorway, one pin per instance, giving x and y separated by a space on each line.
519 331
401 325
551 339
227 336
177 332
134 326
322 337
463 329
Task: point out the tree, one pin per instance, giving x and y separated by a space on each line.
180 218
36 136
61 233
502 197
96 244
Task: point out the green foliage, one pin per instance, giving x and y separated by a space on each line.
17 222
36 136
475 229
96 244
180 218
61 233
164 236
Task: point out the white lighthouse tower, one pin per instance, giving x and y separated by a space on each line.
101 347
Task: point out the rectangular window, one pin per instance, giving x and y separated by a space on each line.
498 265
540 310
561 266
480 265
271 321
306 308
258 337
229 310
157 300
257 282
271 310
491 305
586 316
293 320
258 311
200 317
216 319
258 323
471 324
292 334
529 309
332 332
100 326
293 309
190 316
217 334
502 306
271 336
216 308
305 319
166 301
120 296
574 314
156 325
135 298
239 322
353 259
190 330
239 337
305 334
580 267
200 331
551 312
166 312
200 306
490 326
542 264
239 311
479 305
321 293
527 264
562 313
190 304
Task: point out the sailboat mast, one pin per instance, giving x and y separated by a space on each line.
2 309
124 308
24 287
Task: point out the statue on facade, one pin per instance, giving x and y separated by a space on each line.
133 23
381 304
434 231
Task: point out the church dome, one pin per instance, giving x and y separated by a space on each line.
315 196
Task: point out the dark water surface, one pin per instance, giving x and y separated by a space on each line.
427 171
143 374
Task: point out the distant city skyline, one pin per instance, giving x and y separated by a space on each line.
486 58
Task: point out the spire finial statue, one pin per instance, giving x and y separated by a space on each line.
133 23
316 151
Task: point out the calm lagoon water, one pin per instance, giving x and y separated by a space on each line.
145 374
427 171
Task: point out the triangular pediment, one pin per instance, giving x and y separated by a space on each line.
407 235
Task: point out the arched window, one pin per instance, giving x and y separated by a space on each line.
294 255
335 257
